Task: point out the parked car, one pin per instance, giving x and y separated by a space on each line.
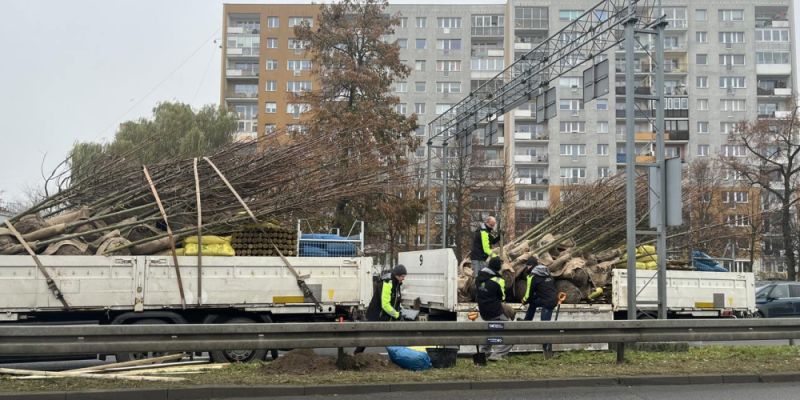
778 299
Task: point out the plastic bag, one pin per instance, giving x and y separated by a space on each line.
409 359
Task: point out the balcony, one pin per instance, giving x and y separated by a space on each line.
781 92
774 115
622 159
532 203
242 73
232 95
487 31
646 90
523 113
242 51
527 158
774 69
637 113
677 135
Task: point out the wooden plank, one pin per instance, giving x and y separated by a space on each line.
89 375
143 361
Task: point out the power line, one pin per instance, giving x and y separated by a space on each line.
208 66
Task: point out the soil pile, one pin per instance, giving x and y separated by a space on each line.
305 361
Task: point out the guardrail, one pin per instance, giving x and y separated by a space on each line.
87 339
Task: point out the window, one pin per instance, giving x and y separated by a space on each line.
573 174
731 15
702 104
294 21
701 37
421 43
419 86
672 42
295 109
572 127
271 108
488 25
573 150
531 17
602 126
701 59
676 17
734 150
272 65
488 64
441 108
702 126
419 108
448 87
731 37
602 149
419 65
273 22
701 14
601 104
448 44
298 65
420 131
448 22
570 105
772 35
733 105
297 44
773 57
403 22
570 82
270 128
421 22
448 65
402 43
767 109
735 197
731 59
401 87
603 172
569 15
727 127
298 86
731 82
272 43
737 220
271 86
702 82
702 150
400 108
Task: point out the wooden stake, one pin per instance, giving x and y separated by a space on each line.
199 234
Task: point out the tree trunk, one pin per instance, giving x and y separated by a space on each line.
788 243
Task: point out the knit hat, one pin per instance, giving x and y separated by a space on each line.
541 270
533 261
400 269
495 264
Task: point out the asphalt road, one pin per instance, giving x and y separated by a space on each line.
772 391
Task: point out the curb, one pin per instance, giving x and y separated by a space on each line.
230 392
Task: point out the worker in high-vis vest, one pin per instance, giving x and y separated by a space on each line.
482 241
540 291
491 292
385 303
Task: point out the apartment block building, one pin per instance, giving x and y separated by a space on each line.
725 61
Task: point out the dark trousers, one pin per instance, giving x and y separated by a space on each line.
547 314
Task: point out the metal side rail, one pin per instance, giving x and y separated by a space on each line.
72 339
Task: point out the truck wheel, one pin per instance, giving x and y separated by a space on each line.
122 357
238 356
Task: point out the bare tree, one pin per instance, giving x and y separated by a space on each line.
766 153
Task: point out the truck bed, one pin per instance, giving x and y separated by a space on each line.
149 282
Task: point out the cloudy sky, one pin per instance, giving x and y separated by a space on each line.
73 70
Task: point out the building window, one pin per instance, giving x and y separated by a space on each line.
273 22
572 127
298 86
271 86
403 22
270 128
421 43
773 57
569 15
294 21
448 22
735 105
573 82
271 108
420 86
701 59
297 44
603 172
602 126
421 22
701 37
272 65
735 197
727 127
601 104
731 15
401 87
402 43
772 35
448 87
295 109
298 65
572 174
573 150
731 59
734 150
731 82
272 43
702 126
448 65
488 25
702 82
676 17
702 150
419 108
570 105
419 65
731 37
400 108
448 44
737 220
441 108
701 14
602 149
702 104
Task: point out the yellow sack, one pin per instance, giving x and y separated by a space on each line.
224 249
651 265
209 239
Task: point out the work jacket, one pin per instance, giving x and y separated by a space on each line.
491 292
482 242
385 303
540 290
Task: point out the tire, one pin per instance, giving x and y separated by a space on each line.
122 357
239 356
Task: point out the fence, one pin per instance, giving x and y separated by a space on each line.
87 339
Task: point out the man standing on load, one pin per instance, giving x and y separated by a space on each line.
482 242
385 303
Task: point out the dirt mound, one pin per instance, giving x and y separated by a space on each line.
305 361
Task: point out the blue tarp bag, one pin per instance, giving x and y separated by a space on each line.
409 359
704 262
